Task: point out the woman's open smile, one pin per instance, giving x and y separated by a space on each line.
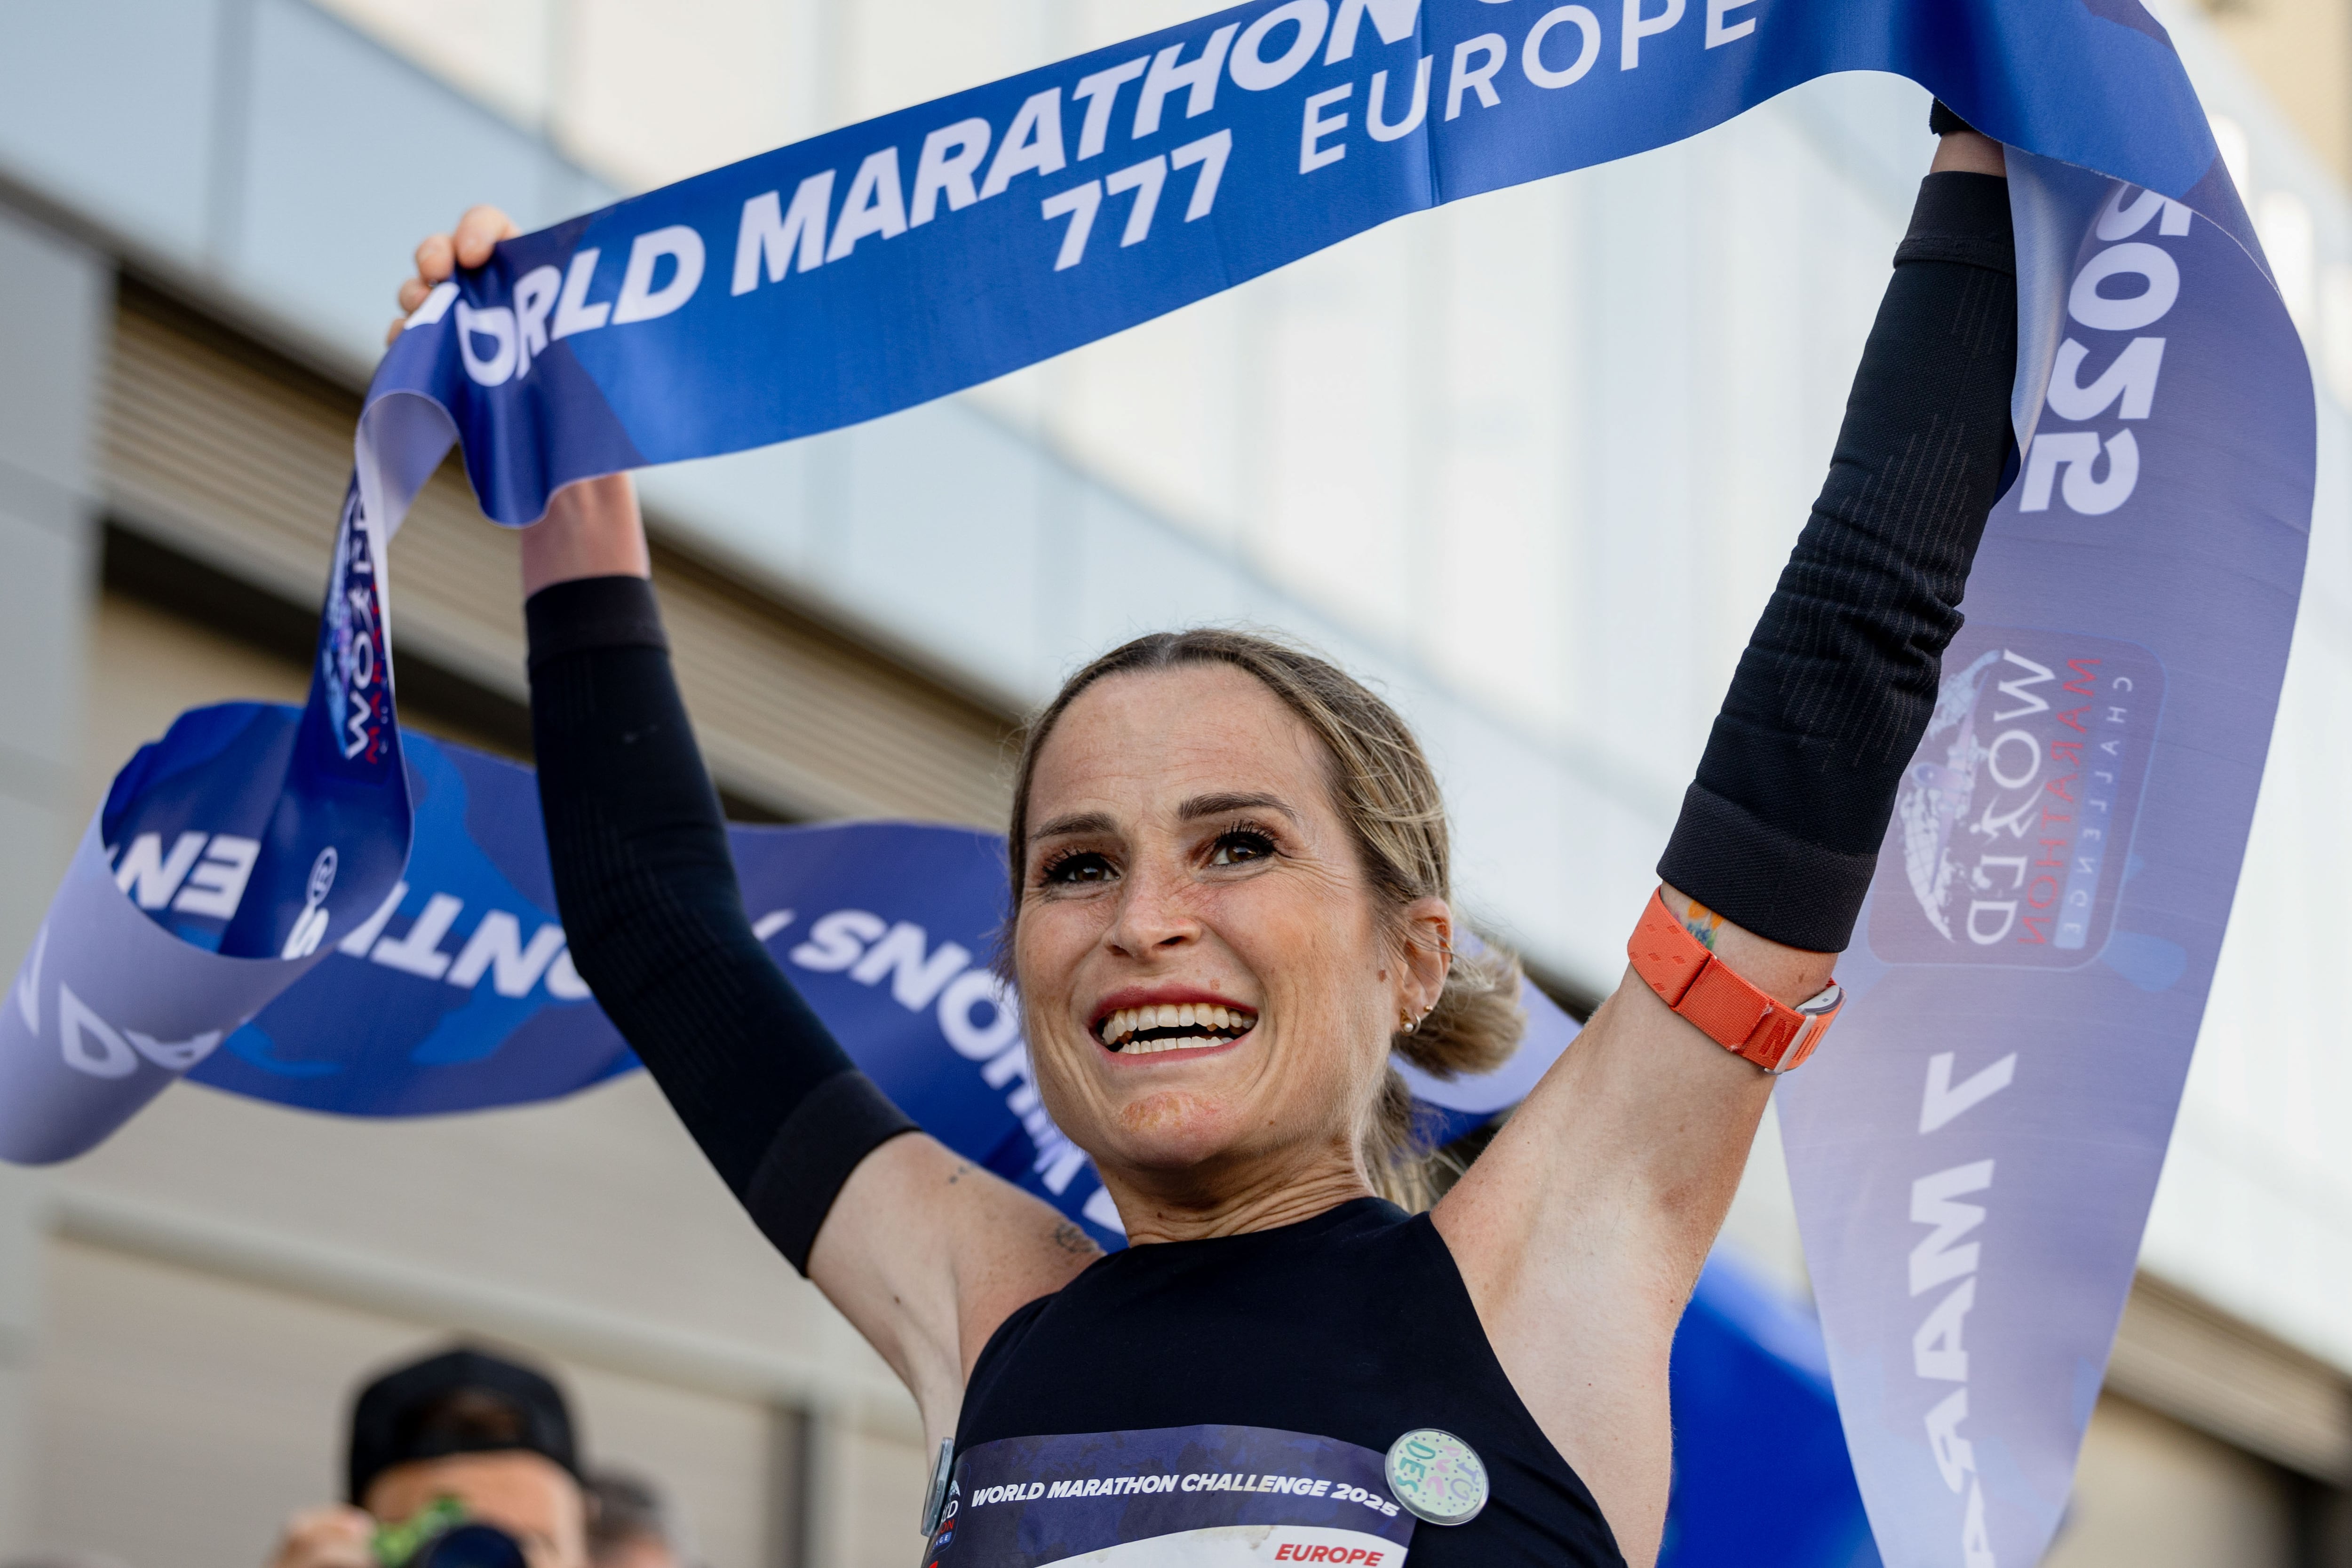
1149 1020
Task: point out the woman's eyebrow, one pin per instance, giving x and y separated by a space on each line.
1201 806
1065 827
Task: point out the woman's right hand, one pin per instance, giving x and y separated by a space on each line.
441 254
591 528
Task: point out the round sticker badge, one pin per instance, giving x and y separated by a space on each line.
1437 1476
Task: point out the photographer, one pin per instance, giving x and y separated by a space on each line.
440 1449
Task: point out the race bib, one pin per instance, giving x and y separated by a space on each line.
1178 1497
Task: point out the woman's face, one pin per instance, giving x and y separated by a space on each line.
1209 984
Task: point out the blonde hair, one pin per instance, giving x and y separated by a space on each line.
1388 795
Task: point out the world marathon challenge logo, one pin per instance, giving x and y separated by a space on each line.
2012 828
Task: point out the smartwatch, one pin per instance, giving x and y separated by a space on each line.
1719 1001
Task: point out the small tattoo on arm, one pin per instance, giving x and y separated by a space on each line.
1702 923
956 1174
1072 1240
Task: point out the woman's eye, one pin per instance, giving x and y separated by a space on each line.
1078 869
1239 847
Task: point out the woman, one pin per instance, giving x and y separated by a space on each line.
1230 908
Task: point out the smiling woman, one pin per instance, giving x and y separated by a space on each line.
1230 913
1349 818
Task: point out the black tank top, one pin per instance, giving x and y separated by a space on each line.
1353 1325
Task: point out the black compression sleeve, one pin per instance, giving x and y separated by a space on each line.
1781 829
646 890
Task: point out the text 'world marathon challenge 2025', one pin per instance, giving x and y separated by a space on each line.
1973 1163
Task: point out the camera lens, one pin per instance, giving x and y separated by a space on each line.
470 1546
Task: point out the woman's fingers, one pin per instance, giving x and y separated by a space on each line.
478 230
441 254
435 259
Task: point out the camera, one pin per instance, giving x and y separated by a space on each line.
443 1537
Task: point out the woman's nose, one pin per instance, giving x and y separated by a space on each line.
1154 912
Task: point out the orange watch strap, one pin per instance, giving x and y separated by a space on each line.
1718 1000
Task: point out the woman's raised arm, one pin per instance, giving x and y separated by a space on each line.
1582 1230
925 1254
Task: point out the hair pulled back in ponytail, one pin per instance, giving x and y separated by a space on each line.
1388 795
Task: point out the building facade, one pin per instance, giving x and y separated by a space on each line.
1531 463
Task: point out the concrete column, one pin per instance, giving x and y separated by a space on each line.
56 310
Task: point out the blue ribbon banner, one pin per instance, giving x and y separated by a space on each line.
1973 1162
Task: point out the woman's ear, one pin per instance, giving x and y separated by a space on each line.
1428 954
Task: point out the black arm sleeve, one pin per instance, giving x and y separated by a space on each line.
646 890
1780 829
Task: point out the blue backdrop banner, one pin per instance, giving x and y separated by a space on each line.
1973 1163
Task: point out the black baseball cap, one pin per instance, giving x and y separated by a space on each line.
462 1401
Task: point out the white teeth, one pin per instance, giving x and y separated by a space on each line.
1190 1043
1129 1021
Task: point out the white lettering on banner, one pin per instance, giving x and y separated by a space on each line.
563 981
1955 1454
1936 1259
1081 203
2128 383
148 876
2017 690
837 941
2152 263
1145 179
941 172
1312 153
1099 92
208 873
640 301
572 311
2121 219
2132 379
1393 19
772 235
1078 205
1375 105
28 983
89 1043
768 925
1942 1102
1211 153
2077 452
866 948
875 204
496 947
1939 1345
1479 78
496 323
1198 76
534 297
962 997
1718 34
1587 26
1936 1351
915 978
216 884
1638 28
419 952
1032 144
174 1055
436 305
1252 71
